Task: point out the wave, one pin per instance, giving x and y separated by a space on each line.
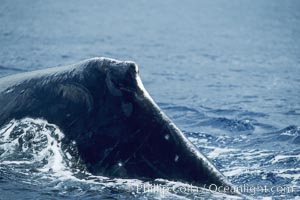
231 125
290 134
253 159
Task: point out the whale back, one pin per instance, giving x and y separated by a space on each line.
101 105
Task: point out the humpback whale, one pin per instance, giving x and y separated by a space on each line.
102 106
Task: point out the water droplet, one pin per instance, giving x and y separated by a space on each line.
167 137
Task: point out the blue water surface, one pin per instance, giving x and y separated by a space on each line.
226 72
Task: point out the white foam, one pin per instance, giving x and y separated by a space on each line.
217 151
6 162
255 154
200 141
235 171
290 132
281 157
14 137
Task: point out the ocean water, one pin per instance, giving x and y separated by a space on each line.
226 72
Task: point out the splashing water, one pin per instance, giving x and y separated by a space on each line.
33 142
